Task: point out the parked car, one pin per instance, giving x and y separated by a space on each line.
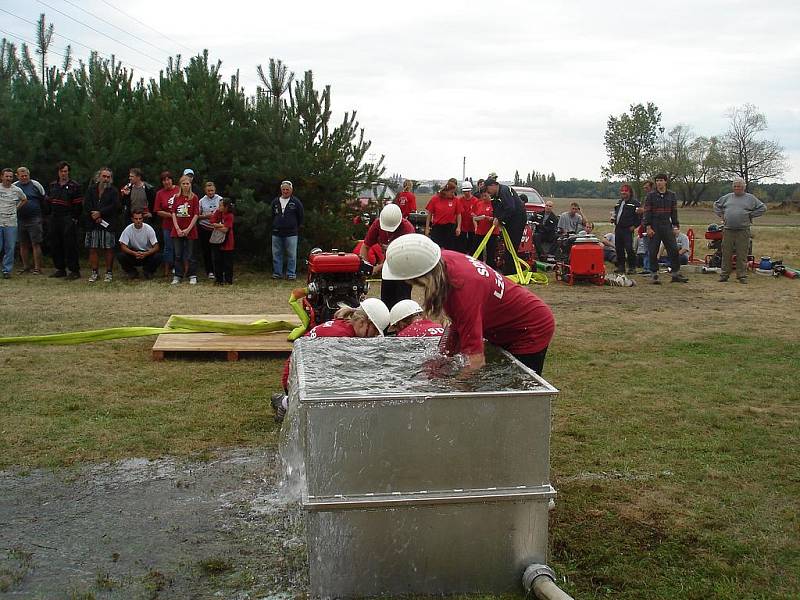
534 203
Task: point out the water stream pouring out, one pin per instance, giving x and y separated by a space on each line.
414 477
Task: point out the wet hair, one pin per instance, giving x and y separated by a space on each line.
435 289
348 313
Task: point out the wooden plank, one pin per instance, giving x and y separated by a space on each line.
231 345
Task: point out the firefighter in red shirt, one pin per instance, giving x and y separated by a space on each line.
479 301
443 222
408 320
386 228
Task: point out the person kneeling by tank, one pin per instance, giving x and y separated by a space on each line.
478 300
407 319
370 319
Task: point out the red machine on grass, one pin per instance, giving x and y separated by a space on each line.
585 262
334 278
714 236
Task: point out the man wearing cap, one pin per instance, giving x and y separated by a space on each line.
287 218
625 217
660 216
389 226
509 211
737 211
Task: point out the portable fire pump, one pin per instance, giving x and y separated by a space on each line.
334 278
581 260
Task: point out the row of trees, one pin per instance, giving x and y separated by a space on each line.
638 146
96 114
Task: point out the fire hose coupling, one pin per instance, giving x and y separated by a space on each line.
534 571
539 582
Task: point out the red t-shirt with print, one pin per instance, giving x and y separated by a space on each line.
467 205
184 210
484 207
164 202
442 210
482 303
422 328
407 203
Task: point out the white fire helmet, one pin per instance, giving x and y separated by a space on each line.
410 256
403 309
390 218
377 312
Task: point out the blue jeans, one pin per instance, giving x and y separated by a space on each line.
168 252
8 239
184 251
284 247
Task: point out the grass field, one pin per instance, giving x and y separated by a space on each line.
676 435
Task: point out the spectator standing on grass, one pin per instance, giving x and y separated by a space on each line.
222 220
101 216
287 219
11 200
625 217
660 216
65 198
571 221
509 212
737 210
29 221
406 199
165 198
138 195
546 231
208 206
138 247
185 212
443 219
389 226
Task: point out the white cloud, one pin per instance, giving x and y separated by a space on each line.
511 85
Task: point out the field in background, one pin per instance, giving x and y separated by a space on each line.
675 446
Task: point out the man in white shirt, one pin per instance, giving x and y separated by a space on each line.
11 200
138 246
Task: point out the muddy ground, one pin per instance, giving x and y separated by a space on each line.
137 528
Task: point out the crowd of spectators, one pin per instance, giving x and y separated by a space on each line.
137 226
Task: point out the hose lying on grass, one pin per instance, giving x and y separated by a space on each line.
177 324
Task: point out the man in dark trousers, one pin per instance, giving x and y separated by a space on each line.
546 231
65 198
509 211
660 215
626 218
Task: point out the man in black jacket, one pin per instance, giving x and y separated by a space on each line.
625 217
509 211
546 231
65 198
660 215
287 218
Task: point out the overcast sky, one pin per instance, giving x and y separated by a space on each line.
510 85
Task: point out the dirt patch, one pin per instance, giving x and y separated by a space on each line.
163 528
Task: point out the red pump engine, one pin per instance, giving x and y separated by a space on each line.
334 278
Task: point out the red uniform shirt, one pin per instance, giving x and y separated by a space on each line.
184 211
442 211
407 203
227 220
375 253
467 205
164 202
482 303
334 328
376 235
484 207
422 328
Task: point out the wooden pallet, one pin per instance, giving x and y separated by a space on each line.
231 345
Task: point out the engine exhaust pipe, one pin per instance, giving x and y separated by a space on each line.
540 582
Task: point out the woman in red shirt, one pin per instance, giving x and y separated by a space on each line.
483 216
479 301
222 254
408 320
185 212
443 222
406 199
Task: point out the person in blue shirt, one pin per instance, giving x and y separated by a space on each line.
30 221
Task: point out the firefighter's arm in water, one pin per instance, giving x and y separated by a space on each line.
475 361
295 301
